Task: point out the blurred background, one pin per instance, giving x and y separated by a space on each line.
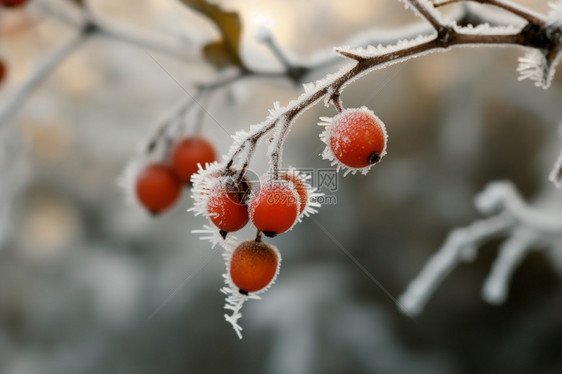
91 284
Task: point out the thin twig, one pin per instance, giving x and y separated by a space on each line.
427 13
42 71
526 14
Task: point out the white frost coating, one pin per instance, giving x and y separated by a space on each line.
525 226
556 173
485 28
278 113
535 66
311 192
380 50
328 97
327 134
511 254
203 183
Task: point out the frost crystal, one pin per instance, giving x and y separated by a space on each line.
204 181
311 193
536 67
327 134
379 50
485 28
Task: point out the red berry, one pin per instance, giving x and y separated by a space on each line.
300 187
2 71
276 208
158 188
12 3
357 138
253 266
226 206
190 152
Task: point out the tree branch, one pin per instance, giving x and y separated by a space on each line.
446 38
524 13
429 14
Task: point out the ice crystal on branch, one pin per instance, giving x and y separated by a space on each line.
536 67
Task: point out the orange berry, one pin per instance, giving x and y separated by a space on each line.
276 208
190 152
158 188
357 138
226 207
253 266
12 3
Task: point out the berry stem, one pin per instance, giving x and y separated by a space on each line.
336 100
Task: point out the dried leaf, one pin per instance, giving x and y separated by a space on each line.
225 52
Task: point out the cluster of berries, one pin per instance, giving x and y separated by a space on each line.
355 140
159 184
8 4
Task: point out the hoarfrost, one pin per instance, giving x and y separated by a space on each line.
204 183
536 67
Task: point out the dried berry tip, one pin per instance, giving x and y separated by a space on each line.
223 234
270 234
374 158
243 292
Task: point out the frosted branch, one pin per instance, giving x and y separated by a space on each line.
459 246
526 228
372 58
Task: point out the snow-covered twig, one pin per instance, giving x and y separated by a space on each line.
526 228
